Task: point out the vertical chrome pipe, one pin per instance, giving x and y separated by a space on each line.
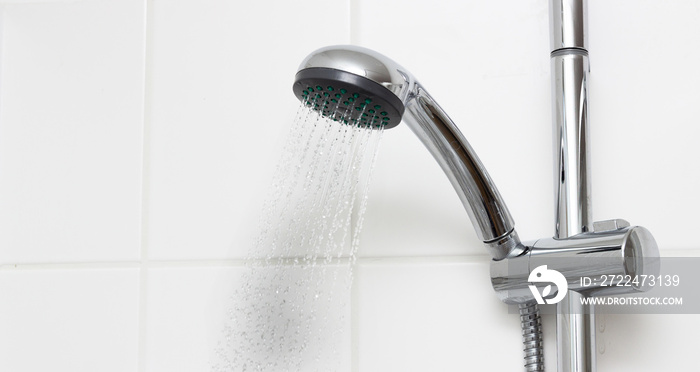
568 21
572 183
575 335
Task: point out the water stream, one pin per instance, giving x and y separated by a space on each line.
292 311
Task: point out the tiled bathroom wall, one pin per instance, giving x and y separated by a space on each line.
137 138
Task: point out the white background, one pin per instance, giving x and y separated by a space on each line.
137 139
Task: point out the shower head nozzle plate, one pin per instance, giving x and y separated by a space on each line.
348 98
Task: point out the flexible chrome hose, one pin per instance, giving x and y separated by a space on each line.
532 336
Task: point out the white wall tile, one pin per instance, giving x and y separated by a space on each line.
63 320
658 342
202 302
644 110
185 316
494 83
433 317
220 107
71 113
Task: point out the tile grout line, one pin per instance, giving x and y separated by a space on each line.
420 260
146 263
154 264
354 319
70 266
354 288
353 10
2 42
145 187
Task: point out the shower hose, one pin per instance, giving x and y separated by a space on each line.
532 336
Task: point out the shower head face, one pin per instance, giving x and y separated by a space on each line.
353 85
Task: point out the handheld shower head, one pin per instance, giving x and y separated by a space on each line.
354 85
361 87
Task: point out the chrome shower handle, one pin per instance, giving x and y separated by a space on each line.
487 211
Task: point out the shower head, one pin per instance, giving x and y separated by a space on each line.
361 87
354 85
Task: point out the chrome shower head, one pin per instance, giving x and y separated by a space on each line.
354 85
361 87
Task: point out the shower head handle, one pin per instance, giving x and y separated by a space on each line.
486 209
